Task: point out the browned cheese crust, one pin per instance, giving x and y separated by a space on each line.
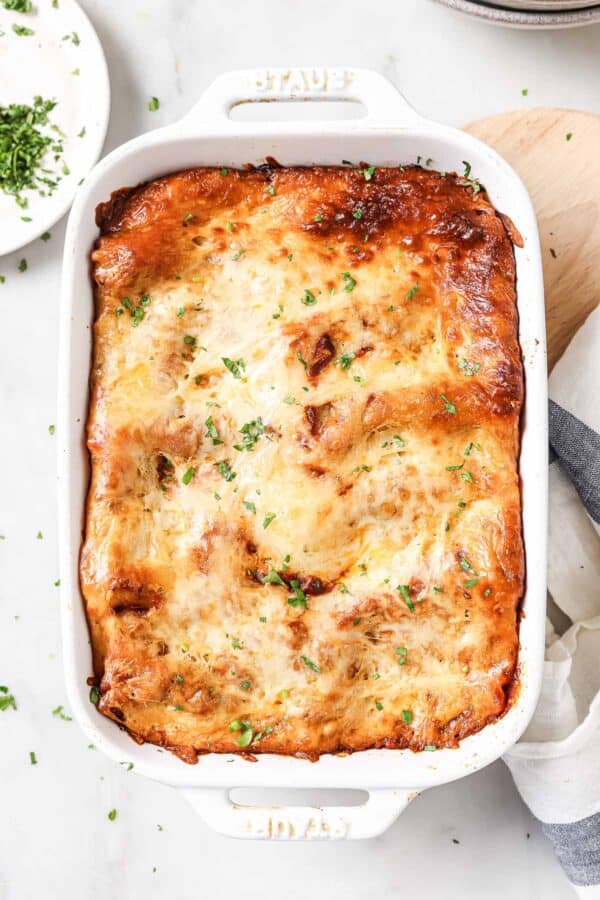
303 527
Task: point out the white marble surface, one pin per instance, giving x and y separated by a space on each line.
55 837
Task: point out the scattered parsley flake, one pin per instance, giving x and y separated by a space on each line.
268 519
309 298
413 291
405 592
112 815
153 104
468 368
402 654
250 506
310 664
7 700
350 283
22 30
188 475
450 407
226 471
407 716
236 367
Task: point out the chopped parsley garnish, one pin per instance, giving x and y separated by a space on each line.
51 429
466 566
345 360
303 361
188 475
368 172
310 664
24 143
223 172
22 267
245 738
299 598
271 190
309 298
407 716
318 218
237 255
568 135
94 695
553 253
273 578
22 6
60 713
268 519
472 582
236 367
467 166
251 432
179 679
402 654
454 468
413 291
466 476
236 644
245 685
438 590
187 218
112 815
45 236
7 700
450 407
472 445
399 442
250 506
153 104
468 368
378 705
524 91
350 283
405 592
73 37
358 214
32 758
22 30
211 431
226 471
430 747
289 400
487 592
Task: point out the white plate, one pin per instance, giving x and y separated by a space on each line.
43 64
510 18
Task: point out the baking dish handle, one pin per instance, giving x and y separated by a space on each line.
299 823
383 102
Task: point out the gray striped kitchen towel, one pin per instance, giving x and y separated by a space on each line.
556 765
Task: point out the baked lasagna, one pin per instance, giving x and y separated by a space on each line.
303 530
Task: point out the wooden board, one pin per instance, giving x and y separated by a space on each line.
563 180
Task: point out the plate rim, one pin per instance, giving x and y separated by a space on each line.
532 18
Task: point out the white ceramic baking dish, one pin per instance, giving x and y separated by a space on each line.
390 133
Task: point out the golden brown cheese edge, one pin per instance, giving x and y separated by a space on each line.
407 279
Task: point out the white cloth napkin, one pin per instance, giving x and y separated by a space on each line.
556 765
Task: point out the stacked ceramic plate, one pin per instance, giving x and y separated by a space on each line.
530 13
